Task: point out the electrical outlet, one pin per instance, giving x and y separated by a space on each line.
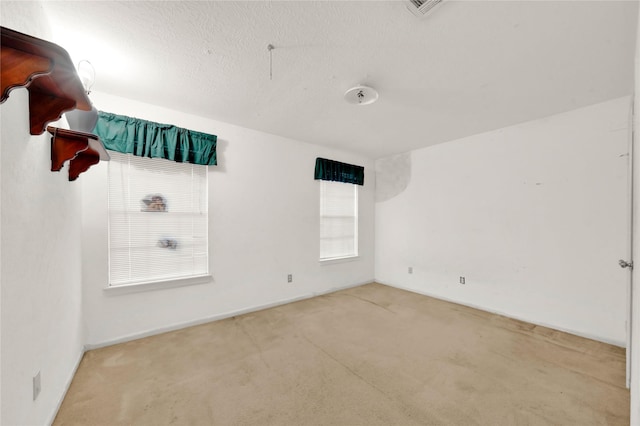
462 280
411 269
36 386
289 278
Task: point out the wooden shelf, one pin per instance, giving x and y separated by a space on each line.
82 150
47 72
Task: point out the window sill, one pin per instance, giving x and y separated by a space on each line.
157 285
344 259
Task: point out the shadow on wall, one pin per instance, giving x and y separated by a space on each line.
221 147
393 175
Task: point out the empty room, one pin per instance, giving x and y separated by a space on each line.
404 212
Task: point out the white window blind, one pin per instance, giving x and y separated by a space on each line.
338 220
157 220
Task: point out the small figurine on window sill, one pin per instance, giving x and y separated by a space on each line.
168 243
154 203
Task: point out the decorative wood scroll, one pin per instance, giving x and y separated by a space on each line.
82 150
47 72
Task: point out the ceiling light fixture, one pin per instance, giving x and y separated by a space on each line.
361 95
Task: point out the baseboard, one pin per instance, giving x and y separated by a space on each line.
217 317
508 315
66 387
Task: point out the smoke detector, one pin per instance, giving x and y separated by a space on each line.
421 8
361 95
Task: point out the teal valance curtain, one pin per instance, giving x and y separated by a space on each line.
148 139
339 172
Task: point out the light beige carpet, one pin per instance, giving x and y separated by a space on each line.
371 355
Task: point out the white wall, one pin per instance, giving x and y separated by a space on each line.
264 224
635 338
40 264
534 216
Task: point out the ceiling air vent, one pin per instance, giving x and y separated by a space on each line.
422 7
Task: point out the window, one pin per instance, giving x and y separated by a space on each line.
338 220
158 219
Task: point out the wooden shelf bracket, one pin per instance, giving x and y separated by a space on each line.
82 150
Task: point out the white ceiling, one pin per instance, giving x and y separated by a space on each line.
468 67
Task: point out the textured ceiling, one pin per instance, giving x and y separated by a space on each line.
468 67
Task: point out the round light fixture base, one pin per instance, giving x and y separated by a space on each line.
361 95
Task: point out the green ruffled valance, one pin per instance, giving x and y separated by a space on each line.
148 139
339 172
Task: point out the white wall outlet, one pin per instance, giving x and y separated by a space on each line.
36 386
290 278
462 280
410 269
